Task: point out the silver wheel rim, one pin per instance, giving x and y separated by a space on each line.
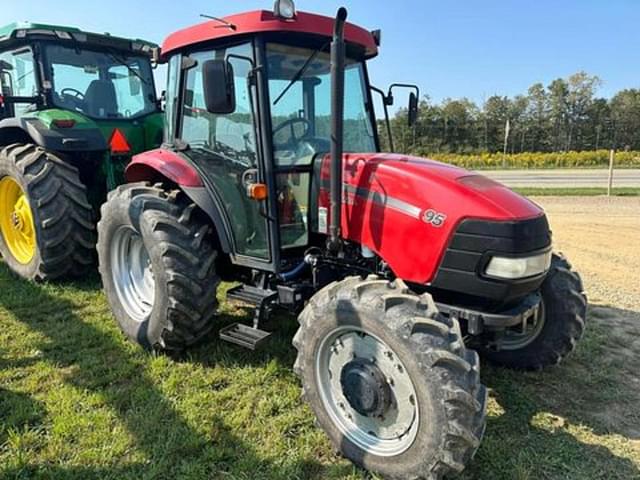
388 436
132 274
522 335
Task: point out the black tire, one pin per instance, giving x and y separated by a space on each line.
565 311
444 373
179 242
62 216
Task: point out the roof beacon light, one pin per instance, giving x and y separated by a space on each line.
285 9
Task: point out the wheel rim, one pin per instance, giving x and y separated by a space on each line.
389 434
16 221
132 273
522 335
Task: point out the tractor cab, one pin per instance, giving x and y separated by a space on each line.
98 81
77 92
250 104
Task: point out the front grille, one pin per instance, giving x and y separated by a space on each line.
475 241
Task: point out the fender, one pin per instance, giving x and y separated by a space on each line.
162 164
58 140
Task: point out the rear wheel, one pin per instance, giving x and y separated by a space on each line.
157 264
390 379
46 223
553 332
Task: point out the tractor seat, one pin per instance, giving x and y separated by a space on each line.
100 99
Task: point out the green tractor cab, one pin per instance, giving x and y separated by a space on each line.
75 107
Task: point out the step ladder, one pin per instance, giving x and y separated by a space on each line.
249 295
246 336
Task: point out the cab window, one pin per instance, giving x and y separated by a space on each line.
18 78
232 135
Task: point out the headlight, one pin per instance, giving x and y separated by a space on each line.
515 268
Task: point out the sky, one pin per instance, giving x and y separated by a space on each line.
454 49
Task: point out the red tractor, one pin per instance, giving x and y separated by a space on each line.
399 268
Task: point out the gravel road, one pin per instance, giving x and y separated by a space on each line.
601 237
562 178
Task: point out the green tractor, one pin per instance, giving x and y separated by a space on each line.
74 107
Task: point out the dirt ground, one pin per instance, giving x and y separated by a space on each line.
601 237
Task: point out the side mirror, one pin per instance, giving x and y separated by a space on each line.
413 100
413 109
219 89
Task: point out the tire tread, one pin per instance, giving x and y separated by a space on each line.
188 261
66 235
438 348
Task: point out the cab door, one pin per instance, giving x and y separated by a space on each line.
225 150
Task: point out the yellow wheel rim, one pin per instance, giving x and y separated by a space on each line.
16 221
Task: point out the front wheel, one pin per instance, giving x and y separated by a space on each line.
390 379
554 330
157 264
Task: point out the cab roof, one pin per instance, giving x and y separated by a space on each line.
263 21
23 30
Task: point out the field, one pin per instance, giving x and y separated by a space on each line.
78 401
583 159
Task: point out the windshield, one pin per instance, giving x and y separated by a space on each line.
301 116
101 84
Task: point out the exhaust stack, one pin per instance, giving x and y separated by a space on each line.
337 129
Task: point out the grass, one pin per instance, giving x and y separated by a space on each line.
77 401
577 191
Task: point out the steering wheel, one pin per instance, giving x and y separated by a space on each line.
77 94
290 124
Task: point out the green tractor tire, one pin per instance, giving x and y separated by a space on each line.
47 228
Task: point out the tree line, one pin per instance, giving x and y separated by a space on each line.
566 115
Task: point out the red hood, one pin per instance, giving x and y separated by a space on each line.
428 184
406 209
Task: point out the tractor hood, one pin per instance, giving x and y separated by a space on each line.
406 209
412 184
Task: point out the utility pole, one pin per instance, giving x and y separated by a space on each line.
612 155
507 127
